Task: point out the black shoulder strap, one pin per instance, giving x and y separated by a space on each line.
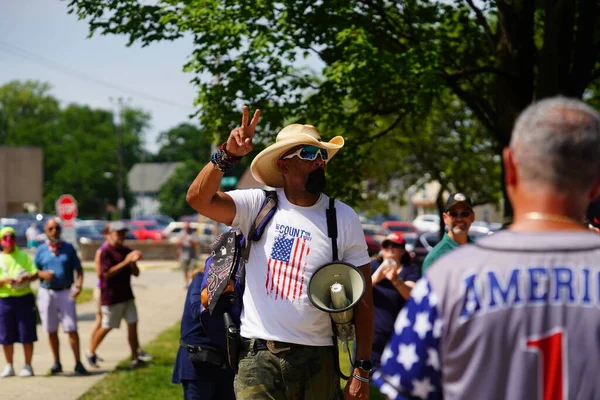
332 230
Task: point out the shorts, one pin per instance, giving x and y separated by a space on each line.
97 297
304 372
57 306
17 320
114 313
188 264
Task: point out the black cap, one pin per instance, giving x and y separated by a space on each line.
457 198
593 213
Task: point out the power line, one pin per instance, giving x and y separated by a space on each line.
22 53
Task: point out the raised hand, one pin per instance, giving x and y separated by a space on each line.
239 142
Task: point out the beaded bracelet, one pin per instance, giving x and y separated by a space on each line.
222 161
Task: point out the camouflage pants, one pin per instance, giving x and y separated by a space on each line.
303 372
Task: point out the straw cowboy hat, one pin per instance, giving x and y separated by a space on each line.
264 166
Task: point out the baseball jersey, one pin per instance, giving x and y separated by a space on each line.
294 245
514 316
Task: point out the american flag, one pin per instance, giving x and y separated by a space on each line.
285 268
410 364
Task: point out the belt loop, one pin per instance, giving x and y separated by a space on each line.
252 346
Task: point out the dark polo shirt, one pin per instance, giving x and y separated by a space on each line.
118 288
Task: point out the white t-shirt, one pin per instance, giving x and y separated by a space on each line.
294 245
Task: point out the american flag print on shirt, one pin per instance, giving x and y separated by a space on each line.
287 263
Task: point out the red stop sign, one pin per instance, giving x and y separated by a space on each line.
66 207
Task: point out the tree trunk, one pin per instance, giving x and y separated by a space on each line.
439 202
515 55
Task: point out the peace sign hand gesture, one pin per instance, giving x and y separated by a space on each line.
239 142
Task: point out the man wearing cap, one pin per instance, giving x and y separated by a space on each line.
393 279
56 298
458 217
17 304
118 263
287 349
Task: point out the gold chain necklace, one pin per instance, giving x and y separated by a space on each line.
551 217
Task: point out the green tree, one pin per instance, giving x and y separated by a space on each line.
28 113
381 60
183 142
172 193
80 143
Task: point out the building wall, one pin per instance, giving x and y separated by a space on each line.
21 178
144 204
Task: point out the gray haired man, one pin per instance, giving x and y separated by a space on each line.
517 314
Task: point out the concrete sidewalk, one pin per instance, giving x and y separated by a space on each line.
159 296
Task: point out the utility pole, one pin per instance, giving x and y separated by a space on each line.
119 125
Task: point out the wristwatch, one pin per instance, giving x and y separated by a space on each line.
365 365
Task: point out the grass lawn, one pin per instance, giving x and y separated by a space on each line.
86 295
150 382
89 268
154 380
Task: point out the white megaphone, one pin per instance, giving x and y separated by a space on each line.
336 288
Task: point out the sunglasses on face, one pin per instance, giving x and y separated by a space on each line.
8 237
309 153
462 214
53 228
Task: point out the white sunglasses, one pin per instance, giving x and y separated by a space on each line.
309 153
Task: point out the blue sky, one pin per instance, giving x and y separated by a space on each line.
44 29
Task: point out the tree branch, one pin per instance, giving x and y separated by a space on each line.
484 24
389 128
480 107
480 70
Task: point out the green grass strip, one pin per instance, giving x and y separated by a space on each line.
150 382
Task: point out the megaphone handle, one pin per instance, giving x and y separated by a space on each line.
337 359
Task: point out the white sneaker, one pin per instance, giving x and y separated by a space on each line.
143 356
7 371
26 371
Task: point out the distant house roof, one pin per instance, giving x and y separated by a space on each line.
247 181
149 177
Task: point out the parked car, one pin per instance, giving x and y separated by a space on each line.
205 232
146 230
427 223
89 233
477 231
374 235
160 219
410 240
423 245
399 226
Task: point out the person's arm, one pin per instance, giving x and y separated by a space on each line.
97 265
203 195
115 269
179 240
78 272
45 275
135 270
410 362
195 299
6 281
378 275
363 323
403 287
